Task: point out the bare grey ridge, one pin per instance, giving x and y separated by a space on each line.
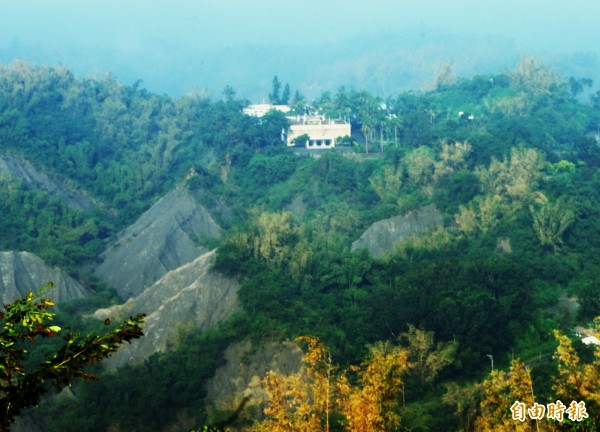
164 238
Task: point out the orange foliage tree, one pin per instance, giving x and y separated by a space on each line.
372 405
501 390
302 401
508 402
578 381
363 399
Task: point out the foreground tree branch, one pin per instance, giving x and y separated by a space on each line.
26 320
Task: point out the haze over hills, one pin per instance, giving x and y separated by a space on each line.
385 63
384 48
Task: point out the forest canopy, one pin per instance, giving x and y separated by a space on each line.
511 161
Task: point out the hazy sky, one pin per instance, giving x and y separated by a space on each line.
538 23
122 27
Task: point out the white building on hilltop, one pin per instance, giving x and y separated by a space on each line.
322 133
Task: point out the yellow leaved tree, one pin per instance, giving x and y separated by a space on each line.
307 400
274 238
500 391
301 401
371 405
364 398
508 401
576 380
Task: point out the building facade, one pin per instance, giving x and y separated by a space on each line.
322 133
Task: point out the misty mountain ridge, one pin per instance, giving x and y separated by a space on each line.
384 63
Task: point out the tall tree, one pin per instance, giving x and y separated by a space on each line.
387 183
551 220
363 398
373 404
229 93
299 102
505 392
285 96
532 77
300 402
274 97
427 357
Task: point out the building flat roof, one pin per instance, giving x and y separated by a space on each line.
314 120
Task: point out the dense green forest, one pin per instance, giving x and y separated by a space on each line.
511 160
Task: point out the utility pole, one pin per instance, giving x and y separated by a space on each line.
381 137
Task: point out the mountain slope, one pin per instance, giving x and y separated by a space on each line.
164 238
240 377
21 272
190 297
382 236
19 168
